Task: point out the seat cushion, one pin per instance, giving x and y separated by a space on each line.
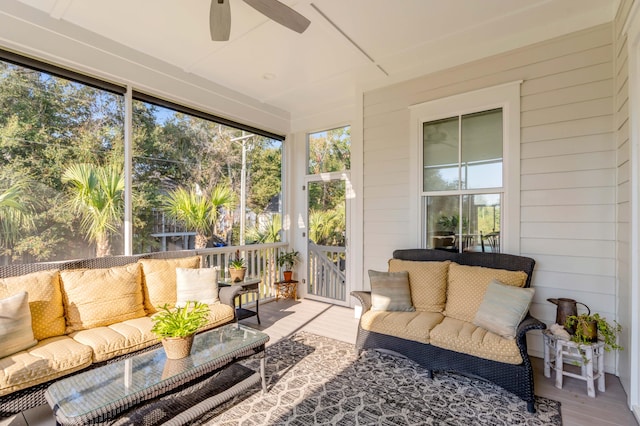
45 301
159 280
428 282
49 359
15 324
414 326
100 297
219 314
468 284
462 336
117 339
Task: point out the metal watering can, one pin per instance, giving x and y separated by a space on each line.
567 308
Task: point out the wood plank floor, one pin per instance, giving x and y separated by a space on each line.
282 318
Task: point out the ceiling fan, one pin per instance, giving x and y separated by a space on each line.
220 16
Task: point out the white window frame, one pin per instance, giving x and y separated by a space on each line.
505 96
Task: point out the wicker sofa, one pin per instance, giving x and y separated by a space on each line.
447 289
86 313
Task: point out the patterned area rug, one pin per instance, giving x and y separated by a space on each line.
315 380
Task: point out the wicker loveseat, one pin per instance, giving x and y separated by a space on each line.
86 313
439 333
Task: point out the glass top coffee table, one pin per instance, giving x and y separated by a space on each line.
103 393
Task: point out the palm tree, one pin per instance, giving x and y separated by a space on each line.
221 196
16 213
266 232
97 196
197 211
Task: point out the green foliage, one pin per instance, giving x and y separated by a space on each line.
288 258
237 263
180 322
330 151
97 196
16 213
608 332
265 231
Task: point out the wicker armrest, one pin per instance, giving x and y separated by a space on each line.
364 297
227 294
527 324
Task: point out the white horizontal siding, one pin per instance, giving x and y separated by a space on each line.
568 162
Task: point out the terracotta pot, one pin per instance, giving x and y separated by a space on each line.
237 274
177 347
288 275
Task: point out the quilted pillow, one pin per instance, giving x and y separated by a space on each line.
503 308
15 324
468 284
159 280
99 297
428 282
45 301
390 291
196 284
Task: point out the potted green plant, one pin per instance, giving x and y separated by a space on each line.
588 327
177 327
288 260
237 269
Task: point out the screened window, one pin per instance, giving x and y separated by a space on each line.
182 161
198 180
463 181
61 167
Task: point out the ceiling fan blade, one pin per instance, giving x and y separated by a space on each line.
281 13
220 20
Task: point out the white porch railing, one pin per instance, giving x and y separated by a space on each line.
327 272
260 260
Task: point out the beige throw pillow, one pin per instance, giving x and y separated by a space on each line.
197 285
15 324
159 280
503 308
428 282
390 291
468 284
45 301
100 297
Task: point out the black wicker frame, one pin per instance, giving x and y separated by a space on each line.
33 396
517 379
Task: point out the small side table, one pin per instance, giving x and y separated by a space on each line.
558 351
249 285
286 289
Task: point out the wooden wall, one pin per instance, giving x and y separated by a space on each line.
623 185
568 164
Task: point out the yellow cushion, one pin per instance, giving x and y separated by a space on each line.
468 284
45 301
462 336
117 339
414 326
159 280
49 359
219 314
427 280
99 297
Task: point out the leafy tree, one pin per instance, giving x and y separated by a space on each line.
197 211
97 196
16 214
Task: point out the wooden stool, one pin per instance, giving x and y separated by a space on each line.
558 351
286 289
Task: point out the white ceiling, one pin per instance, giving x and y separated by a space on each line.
319 69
